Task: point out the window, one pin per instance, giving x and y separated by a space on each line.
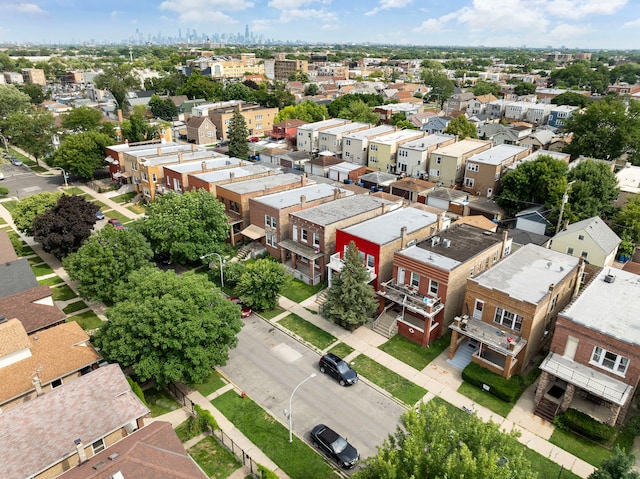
56 384
154 178
373 159
347 154
316 239
271 239
468 182
477 309
581 237
434 172
438 160
144 176
415 279
258 117
584 254
473 270
233 206
472 167
270 221
403 167
608 360
373 147
259 126
347 142
570 250
508 319
433 287
97 446
304 235
554 302
403 153
371 261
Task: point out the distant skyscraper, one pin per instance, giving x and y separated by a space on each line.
246 33
179 34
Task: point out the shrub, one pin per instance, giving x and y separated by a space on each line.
266 473
137 390
509 390
584 424
4 191
205 419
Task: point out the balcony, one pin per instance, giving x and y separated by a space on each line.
409 298
503 342
336 264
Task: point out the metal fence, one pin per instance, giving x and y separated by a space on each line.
181 396
246 460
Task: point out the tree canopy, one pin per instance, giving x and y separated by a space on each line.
485 88
199 86
524 88
238 134
305 110
359 111
434 443
168 327
350 300
626 221
32 131
137 128
64 227
186 226
594 189
461 127
117 80
30 207
571 98
12 100
336 106
261 283
618 466
605 130
163 108
82 153
82 118
105 261
441 87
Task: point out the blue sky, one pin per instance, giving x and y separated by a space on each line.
589 24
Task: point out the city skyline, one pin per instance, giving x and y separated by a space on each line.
586 24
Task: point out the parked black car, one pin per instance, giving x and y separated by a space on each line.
339 369
334 446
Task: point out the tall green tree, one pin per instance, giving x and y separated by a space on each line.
571 98
105 261
594 189
82 118
461 127
30 207
433 443
605 130
305 110
618 466
525 88
12 100
261 283
163 108
186 226
441 87
350 300
117 80
486 88
534 183
64 227
82 153
199 86
35 92
626 221
238 134
137 128
359 111
32 131
238 91
336 106
169 328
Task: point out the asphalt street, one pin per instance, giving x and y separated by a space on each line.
268 364
22 181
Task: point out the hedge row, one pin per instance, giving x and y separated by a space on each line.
584 424
508 390
137 390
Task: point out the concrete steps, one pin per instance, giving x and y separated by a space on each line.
546 409
463 356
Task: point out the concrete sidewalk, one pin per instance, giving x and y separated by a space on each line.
441 379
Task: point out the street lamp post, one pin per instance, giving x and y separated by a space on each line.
565 198
290 412
64 175
221 270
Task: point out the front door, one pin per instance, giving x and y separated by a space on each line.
477 310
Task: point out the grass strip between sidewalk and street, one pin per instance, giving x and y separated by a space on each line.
309 332
297 459
383 377
485 399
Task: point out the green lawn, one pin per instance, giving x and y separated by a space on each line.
25 251
216 460
2 221
87 320
75 306
160 402
211 385
10 205
341 349
412 353
272 313
118 216
41 270
74 190
311 333
34 260
103 207
124 198
581 447
298 290
401 388
51 281
485 399
137 209
63 293
296 459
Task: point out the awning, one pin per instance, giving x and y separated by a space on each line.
301 250
253 232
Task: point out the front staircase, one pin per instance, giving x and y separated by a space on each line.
321 297
546 409
243 252
386 324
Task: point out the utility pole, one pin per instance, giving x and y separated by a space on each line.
565 198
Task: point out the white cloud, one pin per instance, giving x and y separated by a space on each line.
388 4
204 8
431 25
633 23
30 8
116 13
294 4
564 31
323 16
573 9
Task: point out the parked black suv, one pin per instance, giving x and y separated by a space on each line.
339 369
334 446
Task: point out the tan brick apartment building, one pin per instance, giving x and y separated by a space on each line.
210 180
176 175
446 164
259 119
483 171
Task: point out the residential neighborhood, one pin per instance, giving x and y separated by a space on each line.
455 232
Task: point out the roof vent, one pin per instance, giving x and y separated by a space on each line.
3 319
446 243
609 278
114 456
99 465
435 240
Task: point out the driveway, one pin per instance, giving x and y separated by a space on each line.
268 364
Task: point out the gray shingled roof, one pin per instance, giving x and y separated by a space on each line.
596 229
15 277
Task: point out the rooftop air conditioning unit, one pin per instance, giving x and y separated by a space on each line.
411 243
609 278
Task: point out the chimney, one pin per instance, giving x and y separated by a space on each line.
120 115
505 243
159 150
193 147
303 201
552 286
403 234
180 157
204 166
232 175
336 193
38 385
82 456
440 225
303 179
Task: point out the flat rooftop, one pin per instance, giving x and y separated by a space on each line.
285 199
318 125
343 129
452 247
343 208
397 136
496 155
527 274
388 227
148 146
263 183
459 148
238 172
609 308
425 142
378 130
195 165
186 157
164 150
